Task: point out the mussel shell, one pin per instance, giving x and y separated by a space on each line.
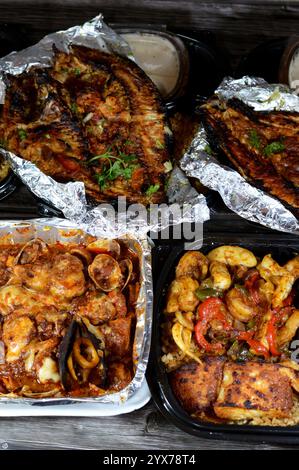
31 251
105 246
64 350
105 273
98 373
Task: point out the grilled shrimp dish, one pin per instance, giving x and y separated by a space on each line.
93 117
229 321
67 318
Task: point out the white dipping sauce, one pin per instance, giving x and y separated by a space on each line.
158 57
294 70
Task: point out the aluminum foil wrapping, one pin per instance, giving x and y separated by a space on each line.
101 221
70 198
240 196
64 231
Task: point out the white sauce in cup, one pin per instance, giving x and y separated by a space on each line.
158 57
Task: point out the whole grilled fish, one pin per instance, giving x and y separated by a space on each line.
262 146
94 117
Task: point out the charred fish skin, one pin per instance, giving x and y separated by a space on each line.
148 128
252 143
117 107
49 137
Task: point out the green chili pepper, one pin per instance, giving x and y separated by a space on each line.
207 292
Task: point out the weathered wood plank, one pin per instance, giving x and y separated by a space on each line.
238 25
143 429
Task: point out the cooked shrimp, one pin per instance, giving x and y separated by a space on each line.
284 286
220 275
271 271
268 268
288 331
261 333
182 296
240 305
266 290
292 266
193 264
233 256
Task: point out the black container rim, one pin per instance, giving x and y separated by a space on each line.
156 374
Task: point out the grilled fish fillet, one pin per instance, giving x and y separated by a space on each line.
263 146
196 385
94 117
252 389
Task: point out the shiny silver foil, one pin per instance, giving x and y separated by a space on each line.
94 33
240 196
70 198
64 231
101 221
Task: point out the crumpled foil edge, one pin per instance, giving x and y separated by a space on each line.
70 198
240 196
55 229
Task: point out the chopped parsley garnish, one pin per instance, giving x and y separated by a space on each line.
274 147
74 108
254 139
22 134
77 71
121 166
152 189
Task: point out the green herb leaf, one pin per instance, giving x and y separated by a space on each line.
74 108
152 189
122 165
22 134
159 145
274 147
77 71
47 136
254 139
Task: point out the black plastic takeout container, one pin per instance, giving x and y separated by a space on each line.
282 247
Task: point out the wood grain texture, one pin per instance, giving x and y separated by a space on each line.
238 26
143 429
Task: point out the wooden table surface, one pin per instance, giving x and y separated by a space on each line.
238 26
142 429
